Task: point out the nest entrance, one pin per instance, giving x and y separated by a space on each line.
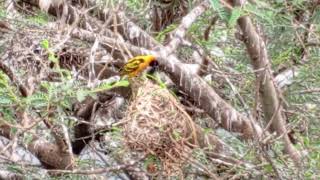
157 125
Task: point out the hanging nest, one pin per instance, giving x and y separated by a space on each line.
158 125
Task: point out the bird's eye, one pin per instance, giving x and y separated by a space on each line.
154 63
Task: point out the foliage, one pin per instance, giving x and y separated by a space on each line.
221 11
50 95
41 18
162 34
280 31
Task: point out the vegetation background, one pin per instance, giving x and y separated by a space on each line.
231 65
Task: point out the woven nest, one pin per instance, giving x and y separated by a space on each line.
158 125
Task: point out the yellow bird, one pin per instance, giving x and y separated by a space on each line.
136 65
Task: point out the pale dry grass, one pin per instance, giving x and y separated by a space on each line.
156 125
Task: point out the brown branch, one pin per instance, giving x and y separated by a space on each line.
208 29
61 149
23 90
268 92
51 155
315 44
315 90
186 22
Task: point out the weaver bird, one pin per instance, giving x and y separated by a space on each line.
137 64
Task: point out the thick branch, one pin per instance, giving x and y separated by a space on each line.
268 92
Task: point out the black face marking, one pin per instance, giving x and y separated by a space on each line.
154 64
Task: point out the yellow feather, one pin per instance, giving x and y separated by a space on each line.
136 65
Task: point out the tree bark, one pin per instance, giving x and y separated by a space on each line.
269 95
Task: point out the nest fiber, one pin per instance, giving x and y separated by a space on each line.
158 125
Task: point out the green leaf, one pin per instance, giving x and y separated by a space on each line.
45 84
115 129
223 14
8 114
81 95
5 100
40 18
27 138
66 74
162 34
216 5
66 103
268 168
45 44
123 83
4 80
3 13
108 85
38 100
207 130
14 168
176 135
13 130
53 58
235 14
158 80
